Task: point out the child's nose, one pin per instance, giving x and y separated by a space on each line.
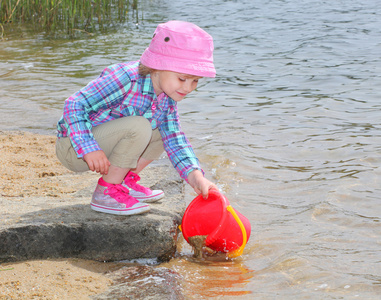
187 86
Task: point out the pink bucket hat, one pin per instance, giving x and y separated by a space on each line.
180 47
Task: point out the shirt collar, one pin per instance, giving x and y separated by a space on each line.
162 101
146 85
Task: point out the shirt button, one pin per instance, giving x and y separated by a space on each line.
153 106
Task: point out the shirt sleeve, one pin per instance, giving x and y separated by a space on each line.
177 146
89 103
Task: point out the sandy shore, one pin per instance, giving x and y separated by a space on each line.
29 168
53 279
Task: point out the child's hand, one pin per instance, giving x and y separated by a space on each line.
97 161
200 184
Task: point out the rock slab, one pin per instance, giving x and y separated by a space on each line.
41 228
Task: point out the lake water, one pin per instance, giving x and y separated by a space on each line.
290 129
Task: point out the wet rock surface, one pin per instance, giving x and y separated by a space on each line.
143 282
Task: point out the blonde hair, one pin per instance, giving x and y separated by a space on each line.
144 70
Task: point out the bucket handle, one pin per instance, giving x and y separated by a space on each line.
238 251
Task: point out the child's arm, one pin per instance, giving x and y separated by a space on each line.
182 156
177 146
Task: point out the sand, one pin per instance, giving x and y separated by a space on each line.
29 168
52 279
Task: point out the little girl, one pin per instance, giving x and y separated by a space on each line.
123 120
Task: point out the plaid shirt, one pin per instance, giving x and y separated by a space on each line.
120 92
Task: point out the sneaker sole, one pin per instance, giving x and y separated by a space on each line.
149 199
124 211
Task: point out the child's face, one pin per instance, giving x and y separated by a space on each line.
175 85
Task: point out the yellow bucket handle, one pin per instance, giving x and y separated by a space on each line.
239 251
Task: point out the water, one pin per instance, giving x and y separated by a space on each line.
289 130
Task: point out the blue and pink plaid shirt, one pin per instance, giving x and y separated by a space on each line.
121 92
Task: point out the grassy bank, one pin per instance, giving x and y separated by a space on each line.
66 15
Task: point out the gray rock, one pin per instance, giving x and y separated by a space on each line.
41 229
143 282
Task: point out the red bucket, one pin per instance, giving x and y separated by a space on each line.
226 229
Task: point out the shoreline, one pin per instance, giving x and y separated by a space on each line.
53 279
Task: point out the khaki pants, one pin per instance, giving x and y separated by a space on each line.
123 141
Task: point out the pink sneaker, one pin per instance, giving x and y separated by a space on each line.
143 194
115 199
